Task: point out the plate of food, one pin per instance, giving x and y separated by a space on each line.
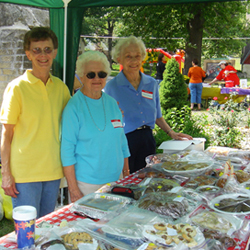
217 221
234 203
186 168
169 234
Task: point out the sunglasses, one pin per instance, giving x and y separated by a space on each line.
92 75
46 50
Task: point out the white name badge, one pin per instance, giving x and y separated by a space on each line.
147 94
117 123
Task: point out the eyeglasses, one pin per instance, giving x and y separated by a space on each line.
46 50
92 75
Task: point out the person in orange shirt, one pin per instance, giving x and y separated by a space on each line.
195 74
229 74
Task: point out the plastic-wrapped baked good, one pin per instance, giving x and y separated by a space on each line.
165 203
158 158
223 179
242 176
149 172
158 185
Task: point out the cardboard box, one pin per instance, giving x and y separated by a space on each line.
175 146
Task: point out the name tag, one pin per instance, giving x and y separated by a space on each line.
117 123
147 94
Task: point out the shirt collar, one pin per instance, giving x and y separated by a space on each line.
32 79
123 81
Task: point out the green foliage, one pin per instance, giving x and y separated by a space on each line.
227 118
173 90
176 118
221 20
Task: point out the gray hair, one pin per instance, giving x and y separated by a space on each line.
126 42
91 56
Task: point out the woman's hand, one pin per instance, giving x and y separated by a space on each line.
75 194
179 136
9 185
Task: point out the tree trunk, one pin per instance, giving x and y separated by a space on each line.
194 41
110 34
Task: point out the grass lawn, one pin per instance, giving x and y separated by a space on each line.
6 226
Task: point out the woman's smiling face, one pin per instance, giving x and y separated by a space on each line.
44 59
131 58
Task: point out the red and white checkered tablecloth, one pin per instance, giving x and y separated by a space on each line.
64 214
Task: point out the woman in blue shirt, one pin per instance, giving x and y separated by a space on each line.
138 97
94 148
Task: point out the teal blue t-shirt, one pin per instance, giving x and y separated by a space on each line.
98 156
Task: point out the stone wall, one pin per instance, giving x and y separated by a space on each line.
15 21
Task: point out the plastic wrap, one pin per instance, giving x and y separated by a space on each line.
195 156
234 203
172 205
98 205
242 154
150 172
125 230
202 180
209 192
158 185
130 190
186 168
224 223
217 150
73 237
158 158
169 234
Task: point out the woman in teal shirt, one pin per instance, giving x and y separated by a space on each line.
94 149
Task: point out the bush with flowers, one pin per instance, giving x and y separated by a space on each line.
228 119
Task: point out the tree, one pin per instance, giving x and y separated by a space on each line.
173 90
190 23
98 22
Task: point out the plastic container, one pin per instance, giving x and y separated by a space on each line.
24 219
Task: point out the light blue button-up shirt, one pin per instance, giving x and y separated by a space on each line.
141 106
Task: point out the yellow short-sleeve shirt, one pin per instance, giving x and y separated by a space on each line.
35 109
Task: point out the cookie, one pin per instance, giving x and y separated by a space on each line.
160 226
189 230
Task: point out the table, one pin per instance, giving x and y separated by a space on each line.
221 93
64 213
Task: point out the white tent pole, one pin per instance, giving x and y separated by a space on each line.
65 38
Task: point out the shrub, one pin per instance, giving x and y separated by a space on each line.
226 119
173 90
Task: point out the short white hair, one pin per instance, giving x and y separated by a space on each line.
91 56
126 42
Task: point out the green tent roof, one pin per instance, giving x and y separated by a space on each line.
74 20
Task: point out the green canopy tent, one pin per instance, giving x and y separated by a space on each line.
68 32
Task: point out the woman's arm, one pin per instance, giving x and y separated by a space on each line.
213 81
125 170
74 191
166 128
8 181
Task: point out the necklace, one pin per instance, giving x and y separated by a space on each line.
92 116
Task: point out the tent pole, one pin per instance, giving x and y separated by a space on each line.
65 38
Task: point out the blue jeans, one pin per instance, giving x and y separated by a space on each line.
195 91
41 195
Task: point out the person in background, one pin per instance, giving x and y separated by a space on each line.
30 116
195 74
138 97
160 67
94 148
228 73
